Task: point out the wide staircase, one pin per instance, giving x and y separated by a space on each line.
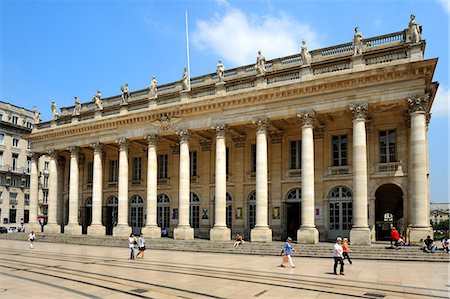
377 251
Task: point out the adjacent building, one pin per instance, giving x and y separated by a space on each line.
439 212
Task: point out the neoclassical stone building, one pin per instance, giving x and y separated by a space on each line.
325 143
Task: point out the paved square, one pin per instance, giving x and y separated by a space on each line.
73 271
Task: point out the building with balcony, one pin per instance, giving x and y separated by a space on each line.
324 143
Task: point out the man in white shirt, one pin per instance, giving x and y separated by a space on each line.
338 255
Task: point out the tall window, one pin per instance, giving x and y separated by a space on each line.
253 159
15 119
13 198
90 172
27 199
227 153
339 145
137 168
194 210
28 144
1 158
15 141
28 164
2 138
113 170
193 163
229 210
45 194
26 216
15 162
46 182
46 164
163 163
29 125
340 211
251 209
163 210
296 154
388 144
12 215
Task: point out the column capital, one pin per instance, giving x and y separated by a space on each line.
261 124
74 151
307 118
417 103
123 143
239 141
220 130
152 140
53 153
184 135
359 111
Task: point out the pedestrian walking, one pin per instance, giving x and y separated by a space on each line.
286 252
338 256
132 240
31 238
346 250
141 245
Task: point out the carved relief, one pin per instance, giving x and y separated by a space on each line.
418 103
261 124
184 135
123 143
164 123
152 140
74 150
220 129
307 118
97 147
359 111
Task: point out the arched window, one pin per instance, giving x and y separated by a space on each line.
194 210
136 200
88 202
340 211
251 199
294 195
110 214
136 212
163 204
112 201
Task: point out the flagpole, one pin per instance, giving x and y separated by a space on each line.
187 50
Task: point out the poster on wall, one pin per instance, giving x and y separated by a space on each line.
318 212
276 213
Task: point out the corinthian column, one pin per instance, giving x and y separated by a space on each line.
308 232
184 231
33 224
52 226
151 229
220 231
96 228
420 219
123 228
360 232
261 232
73 228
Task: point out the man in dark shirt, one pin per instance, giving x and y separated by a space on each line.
430 246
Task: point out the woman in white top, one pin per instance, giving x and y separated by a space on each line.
31 238
132 240
338 254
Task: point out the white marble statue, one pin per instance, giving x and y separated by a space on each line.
185 80
125 93
77 109
415 31
306 56
98 100
153 88
260 63
54 110
358 42
220 70
36 116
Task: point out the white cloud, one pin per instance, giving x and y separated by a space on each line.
236 36
441 103
445 5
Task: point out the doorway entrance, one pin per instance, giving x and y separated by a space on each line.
292 210
136 214
86 215
388 210
111 214
340 211
194 213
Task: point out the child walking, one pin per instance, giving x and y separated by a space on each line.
346 250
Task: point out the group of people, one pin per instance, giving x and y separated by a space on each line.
140 242
430 246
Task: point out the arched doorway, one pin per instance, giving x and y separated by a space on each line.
86 215
340 212
388 210
194 212
251 212
110 214
163 207
229 211
292 208
136 214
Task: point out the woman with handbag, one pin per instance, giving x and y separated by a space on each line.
286 252
132 241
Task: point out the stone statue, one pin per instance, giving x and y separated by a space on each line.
220 70
36 116
184 80
125 93
77 109
98 100
306 56
54 110
415 31
358 42
153 88
260 63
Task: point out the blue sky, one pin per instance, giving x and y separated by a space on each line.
55 50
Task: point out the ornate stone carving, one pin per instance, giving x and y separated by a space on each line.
97 99
35 156
153 88
239 141
358 42
164 123
220 129
304 53
205 144
220 70
184 135
307 118
74 150
125 94
319 132
175 148
53 154
428 118
123 143
36 116
418 103
54 111
77 108
97 147
260 65
276 137
152 140
415 31
261 124
185 80
359 111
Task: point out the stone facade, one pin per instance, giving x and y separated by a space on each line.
333 147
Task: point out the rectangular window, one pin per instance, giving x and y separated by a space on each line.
15 141
339 146
15 119
15 162
113 170
46 182
253 159
26 182
45 194
46 163
12 215
29 125
227 153
26 199
90 172
28 165
15 182
137 168
296 154
163 163
388 144
193 163
1 158
13 198
26 216
2 138
28 145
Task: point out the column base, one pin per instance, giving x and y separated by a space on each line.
96 230
151 232
261 234
52 229
122 230
419 233
308 235
220 234
72 229
183 233
360 236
